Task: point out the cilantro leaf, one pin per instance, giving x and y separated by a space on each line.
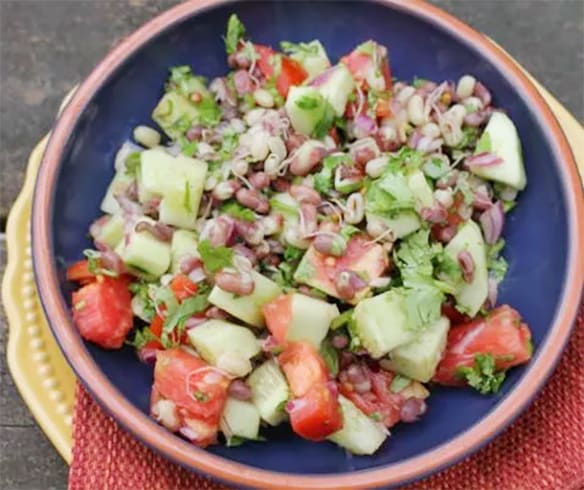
422 305
483 376
418 82
94 264
215 258
330 357
140 290
343 319
188 308
209 113
322 127
142 337
235 32
284 276
307 102
323 181
496 264
233 208
292 254
435 168
348 231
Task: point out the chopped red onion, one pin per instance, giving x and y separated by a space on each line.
492 222
476 119
216 313
240 390
323 77
269 344
147 355
359 378
197 275
357 281
413 409
482 93
493 292
481 201
110 260
158 230
485 159
97 225
446 234
466 264
415 138
189 433
194 322
435 214
364 126
242 82
189 263
128 206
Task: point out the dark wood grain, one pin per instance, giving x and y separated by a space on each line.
48 45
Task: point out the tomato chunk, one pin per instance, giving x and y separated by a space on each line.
278 316
198 391
303 367
316 415
501 334
183 287
291 72
102 311
79 272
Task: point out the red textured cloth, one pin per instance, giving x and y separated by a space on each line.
544 449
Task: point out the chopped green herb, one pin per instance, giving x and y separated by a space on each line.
233 208
307 102
376 416
292 254
284 277
322 127
176 320
399 383
209 113
343 319
435 168
496 264
142 337
306 49
201 396
94 264
235 441
418 82
188 148
215 258
483 376
141 291
235 32
323 181
330 357
132 163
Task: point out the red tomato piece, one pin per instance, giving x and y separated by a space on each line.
501 334
291 72
198 390
156 329
380 401
360 64
278 316
102 311
317 414
79 272
455 316
303 366
183 287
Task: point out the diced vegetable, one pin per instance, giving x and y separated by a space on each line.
184 244
121 181
270 391
305 107
247 308
240 419
335 84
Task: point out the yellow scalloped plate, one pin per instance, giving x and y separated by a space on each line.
43 377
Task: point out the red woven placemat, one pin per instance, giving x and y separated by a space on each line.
544 449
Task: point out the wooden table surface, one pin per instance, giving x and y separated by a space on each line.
48 45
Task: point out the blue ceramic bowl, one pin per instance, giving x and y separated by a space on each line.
544 243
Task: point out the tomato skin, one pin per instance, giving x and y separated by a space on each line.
156 329
501 334
278 316
360 64
181 377
380 400
79 272
291 73
303 367
317 414
314 412
102 311
183 287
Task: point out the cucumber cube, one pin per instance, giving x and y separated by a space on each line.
419 358
471 296
247 308
118 185
184 244
240 419
360 434
381 323
225 344
305 107
402 224
111 233
270 392
173 108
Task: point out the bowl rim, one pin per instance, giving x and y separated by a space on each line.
166 443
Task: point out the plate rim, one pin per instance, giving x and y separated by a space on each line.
181 452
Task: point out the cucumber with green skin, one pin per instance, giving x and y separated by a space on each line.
419 358
305 107
270 392
360 434
381 323
145 254
500 138
172 109
240 419
217 339
423 196
247 308
470 297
